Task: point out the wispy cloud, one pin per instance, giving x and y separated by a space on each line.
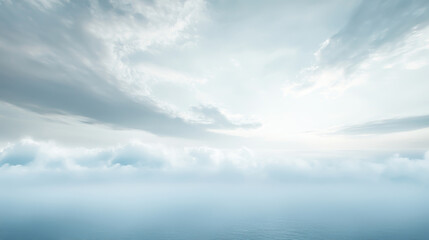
70 60
214 118
391 125
377 30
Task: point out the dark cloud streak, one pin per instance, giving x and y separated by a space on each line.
388 126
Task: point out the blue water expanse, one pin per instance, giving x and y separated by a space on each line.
208 211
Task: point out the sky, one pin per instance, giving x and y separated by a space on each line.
215 89
214 119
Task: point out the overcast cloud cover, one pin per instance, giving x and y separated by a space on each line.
279 93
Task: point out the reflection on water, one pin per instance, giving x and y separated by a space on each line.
215 212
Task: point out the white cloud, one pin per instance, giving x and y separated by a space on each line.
333 81
127 27
44 5
215 118
204 163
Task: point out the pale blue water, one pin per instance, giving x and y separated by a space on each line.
216 212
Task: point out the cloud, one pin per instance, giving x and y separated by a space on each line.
214 118
105 104
388 126
44 5
132 27
28 152
378 30
69 59
137 160
20 154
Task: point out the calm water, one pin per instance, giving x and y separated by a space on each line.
215 212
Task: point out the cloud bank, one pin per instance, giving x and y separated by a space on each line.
137 160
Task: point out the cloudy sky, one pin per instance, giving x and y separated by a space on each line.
320 89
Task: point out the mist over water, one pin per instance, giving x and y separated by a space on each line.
215 211
132 192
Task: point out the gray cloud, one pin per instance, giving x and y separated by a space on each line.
52 63
388 125
375 25
105 104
